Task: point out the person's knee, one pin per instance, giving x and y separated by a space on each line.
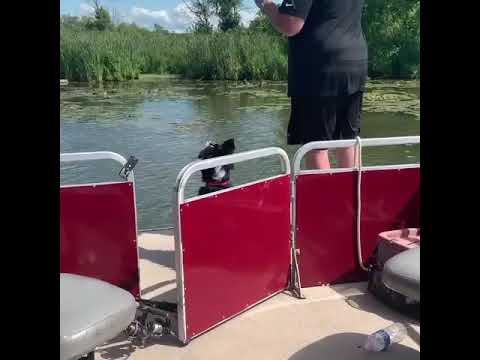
346 157
318 159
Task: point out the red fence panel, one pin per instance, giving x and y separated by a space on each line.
98 233
326 219
390 200
236 251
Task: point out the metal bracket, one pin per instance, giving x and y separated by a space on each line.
153 320
295 285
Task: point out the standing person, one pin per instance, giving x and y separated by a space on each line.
327 70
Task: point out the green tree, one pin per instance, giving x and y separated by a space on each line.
392 29
203 11
101 19
262 24
228 12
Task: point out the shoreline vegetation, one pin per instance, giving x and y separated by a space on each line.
93 49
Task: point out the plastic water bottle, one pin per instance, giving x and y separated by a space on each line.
382 339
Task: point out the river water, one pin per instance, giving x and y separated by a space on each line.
166 121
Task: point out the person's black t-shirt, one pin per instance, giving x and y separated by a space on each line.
329 56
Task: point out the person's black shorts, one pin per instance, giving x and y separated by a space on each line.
324 118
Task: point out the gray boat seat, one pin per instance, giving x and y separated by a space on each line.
401 273
91 312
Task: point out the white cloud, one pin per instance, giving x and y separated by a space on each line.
86 9
183 14
178 19
146 14
247 15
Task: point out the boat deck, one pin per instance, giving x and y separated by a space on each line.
332 323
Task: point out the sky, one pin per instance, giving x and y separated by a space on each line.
171 14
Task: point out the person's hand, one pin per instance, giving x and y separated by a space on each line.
261 3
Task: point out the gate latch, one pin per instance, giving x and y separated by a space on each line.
128 167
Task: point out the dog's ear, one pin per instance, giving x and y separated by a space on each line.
201 154
228 146
207 150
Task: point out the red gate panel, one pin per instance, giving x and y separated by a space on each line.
326 219
98 233
390 200
236 251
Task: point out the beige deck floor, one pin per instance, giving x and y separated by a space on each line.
332 323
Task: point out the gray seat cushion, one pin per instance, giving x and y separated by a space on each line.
401 273
91 313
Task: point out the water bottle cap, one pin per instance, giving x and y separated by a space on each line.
386 338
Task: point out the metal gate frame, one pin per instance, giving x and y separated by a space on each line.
358 143
179 193
190 169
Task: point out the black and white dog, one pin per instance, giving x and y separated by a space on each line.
217 178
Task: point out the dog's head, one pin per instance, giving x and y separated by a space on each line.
219 174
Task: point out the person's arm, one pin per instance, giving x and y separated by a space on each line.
289 18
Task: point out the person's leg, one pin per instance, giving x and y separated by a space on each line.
318 159
345 157
312 119
322 112
349 111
